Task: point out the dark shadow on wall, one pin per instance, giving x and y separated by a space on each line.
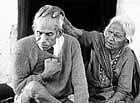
84 14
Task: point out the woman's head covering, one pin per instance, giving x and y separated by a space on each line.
127 25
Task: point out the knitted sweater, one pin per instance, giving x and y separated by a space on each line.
28 64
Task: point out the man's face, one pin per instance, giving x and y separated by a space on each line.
115 36
45 33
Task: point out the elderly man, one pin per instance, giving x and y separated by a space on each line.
47 67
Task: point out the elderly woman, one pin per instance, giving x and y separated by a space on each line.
112 62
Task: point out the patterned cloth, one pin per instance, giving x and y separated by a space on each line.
106 76
28 65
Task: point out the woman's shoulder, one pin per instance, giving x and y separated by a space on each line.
128 53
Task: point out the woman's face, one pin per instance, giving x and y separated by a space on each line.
114 36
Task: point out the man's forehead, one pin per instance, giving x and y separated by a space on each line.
47 22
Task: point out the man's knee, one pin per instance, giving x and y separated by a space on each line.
33 85
28 92
137 99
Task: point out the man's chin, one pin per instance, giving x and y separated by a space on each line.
44 48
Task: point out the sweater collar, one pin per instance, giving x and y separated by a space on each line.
58 46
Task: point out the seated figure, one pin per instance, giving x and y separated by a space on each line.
112 65
47 67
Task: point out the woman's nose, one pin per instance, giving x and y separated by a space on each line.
111 37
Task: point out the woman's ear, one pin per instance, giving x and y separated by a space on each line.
126 42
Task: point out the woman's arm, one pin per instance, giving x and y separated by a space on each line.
70 29
85 38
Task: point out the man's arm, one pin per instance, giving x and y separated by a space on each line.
21 71
79 80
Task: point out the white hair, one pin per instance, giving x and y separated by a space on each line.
55 13
127 25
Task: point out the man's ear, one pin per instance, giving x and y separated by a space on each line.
61 20
33 27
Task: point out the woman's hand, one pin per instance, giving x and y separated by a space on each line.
70 29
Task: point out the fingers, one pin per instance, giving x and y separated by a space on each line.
52 63
51 67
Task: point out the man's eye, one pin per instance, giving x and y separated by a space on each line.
49 34
39 33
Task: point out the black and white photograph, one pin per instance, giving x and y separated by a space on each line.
70 51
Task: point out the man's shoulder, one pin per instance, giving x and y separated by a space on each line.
24 44
25 41
71 42
69 38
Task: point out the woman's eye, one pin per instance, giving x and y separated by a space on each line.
110 31
117 36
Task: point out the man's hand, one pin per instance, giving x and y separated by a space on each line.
52 66
113 100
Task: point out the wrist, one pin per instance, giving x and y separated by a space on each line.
43 77
119 96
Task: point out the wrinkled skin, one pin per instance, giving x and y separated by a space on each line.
46 33
115 36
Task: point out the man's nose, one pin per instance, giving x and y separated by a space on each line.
43 38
